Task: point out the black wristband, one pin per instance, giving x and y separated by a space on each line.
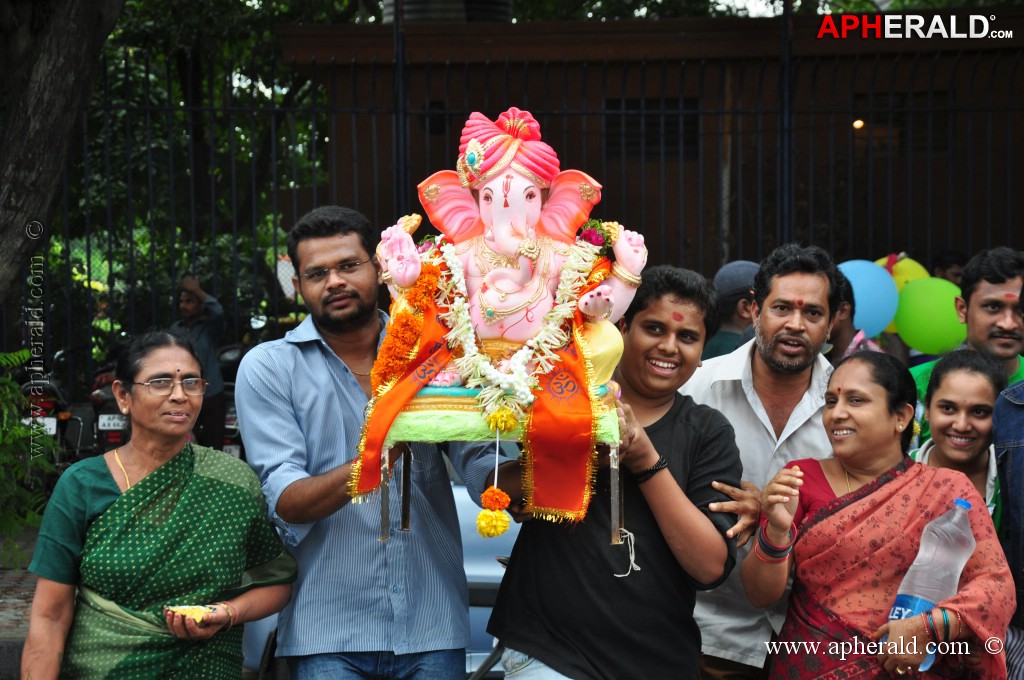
642 477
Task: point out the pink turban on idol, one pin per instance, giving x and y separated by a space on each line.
488 147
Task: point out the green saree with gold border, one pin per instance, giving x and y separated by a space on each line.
194 531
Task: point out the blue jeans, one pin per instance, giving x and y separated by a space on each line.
524 667
445 664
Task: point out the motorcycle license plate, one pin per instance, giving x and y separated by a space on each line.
233 450
112 421
48 424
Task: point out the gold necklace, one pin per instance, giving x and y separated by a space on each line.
488 259
363 374
123 471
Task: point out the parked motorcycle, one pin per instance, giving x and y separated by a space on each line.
229 357
49 410
111 424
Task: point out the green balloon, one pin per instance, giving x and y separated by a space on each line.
926 317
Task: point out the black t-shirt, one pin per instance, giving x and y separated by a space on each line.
560 600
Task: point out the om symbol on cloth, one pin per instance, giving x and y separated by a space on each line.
426 371
563 386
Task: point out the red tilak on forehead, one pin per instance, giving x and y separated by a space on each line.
1010 296
799 302
839 390
676 316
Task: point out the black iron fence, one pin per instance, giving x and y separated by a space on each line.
199 168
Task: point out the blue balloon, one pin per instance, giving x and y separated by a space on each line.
875 293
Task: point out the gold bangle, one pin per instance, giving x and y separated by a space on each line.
386 277
231 614
619 272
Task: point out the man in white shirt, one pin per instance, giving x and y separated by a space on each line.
772 391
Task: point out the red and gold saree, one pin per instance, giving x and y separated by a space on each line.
852 554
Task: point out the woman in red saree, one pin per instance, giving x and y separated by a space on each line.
848 528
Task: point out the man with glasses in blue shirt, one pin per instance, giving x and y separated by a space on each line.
360 607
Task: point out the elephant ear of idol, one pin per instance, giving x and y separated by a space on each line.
450 207
573 194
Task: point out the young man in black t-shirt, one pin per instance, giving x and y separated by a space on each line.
573 605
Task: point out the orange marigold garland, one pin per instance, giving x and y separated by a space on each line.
405 329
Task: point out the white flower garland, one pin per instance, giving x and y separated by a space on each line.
512 388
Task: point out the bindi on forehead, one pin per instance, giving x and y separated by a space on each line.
799 302
839 390
676 316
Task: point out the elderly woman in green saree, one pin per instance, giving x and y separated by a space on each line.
154 524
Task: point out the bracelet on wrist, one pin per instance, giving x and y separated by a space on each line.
931 625
630 279
945 624
769 560
772 550
231 614
927 633
642 477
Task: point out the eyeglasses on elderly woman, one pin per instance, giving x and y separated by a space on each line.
161 387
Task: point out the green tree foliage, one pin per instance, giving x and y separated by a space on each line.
26 464
195 128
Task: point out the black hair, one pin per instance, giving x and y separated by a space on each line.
970 361
949 258
891 375
329 220
846 293
997 265
791 258
129 361
684 284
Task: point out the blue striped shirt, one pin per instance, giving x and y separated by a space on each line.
300 410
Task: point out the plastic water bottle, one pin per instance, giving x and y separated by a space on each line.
946 545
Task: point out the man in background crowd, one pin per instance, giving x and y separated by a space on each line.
989 304
772 391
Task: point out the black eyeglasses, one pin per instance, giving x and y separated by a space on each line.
161 387
345 269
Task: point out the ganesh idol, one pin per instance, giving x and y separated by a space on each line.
510 311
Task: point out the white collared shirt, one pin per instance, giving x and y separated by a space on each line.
730 627
924 454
